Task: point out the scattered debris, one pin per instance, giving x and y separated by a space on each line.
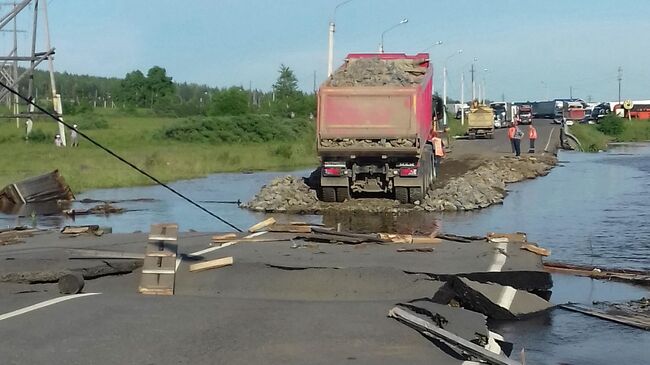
536 249
77 230
107 268
101 209
72 283
428 249
507 237
614 314
84 254
12 236
224 237
288 228
284 194
212 264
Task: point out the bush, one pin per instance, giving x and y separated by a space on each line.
284 150
238 129
38 136
91 121
611 125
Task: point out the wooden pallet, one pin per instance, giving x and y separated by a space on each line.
159 268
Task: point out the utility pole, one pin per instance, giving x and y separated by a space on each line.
619 78
462 98
56 98
570 92
473 84
332 29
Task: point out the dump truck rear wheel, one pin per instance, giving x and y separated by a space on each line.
402 195
342 194
415 194
328 194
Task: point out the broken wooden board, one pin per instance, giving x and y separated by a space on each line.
261 225
80 229
423 249
361 236
212 264
396 238
431 330
425 240
330 238
625 275
167 232
536 249
633 320
506 237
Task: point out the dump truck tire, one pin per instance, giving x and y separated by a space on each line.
402 194
342 194
328 194
415 194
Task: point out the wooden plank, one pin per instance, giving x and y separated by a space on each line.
365 237
430 329
536 249
103 254
161 249
426 240
639 321
212 264
253 240
224 237
287 228
153 263
507 237
331 238
396 238
261 225
159 271
167 232
156 284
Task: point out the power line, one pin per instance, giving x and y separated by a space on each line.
153 178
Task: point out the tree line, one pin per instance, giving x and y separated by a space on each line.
157 91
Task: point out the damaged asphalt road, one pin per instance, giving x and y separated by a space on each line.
280 302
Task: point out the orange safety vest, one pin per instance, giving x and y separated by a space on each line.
532 133
511 132
437 145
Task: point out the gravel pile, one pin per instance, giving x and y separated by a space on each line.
485 185
284 194
477 188
377 72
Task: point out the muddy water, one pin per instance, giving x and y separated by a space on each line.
593 209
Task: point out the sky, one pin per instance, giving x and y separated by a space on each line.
526 50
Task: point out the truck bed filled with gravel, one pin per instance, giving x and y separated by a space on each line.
378 72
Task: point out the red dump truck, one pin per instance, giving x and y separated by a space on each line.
374 119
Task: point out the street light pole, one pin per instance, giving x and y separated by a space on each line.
462 98
381 43
444 86
332 29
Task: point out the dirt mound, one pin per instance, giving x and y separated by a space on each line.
477 188
378 72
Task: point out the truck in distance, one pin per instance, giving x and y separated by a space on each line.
525 114
373 125
480 121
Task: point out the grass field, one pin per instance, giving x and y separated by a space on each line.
594 140
135 139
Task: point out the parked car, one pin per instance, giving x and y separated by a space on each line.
588 119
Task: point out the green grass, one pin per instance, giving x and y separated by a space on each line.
137 140
455 128
593 140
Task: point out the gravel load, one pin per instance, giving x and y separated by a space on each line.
351 142
378 72
478 188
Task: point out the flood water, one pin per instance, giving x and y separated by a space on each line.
592 209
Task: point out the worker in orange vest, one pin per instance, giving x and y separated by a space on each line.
438 150
532 136
511 135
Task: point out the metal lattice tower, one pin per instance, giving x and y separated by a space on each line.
16 69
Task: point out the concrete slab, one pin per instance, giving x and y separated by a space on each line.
496 301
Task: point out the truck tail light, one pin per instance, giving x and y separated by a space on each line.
332 171
408 171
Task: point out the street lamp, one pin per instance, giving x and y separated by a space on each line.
381 43
330 53
444 85
438 43
462 89
482 89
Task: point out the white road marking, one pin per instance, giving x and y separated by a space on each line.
499 257
43 304
549 139
229 243
506 297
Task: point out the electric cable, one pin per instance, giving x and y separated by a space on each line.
120 158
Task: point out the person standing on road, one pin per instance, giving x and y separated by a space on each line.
74 137
511 136
532 136
519 134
